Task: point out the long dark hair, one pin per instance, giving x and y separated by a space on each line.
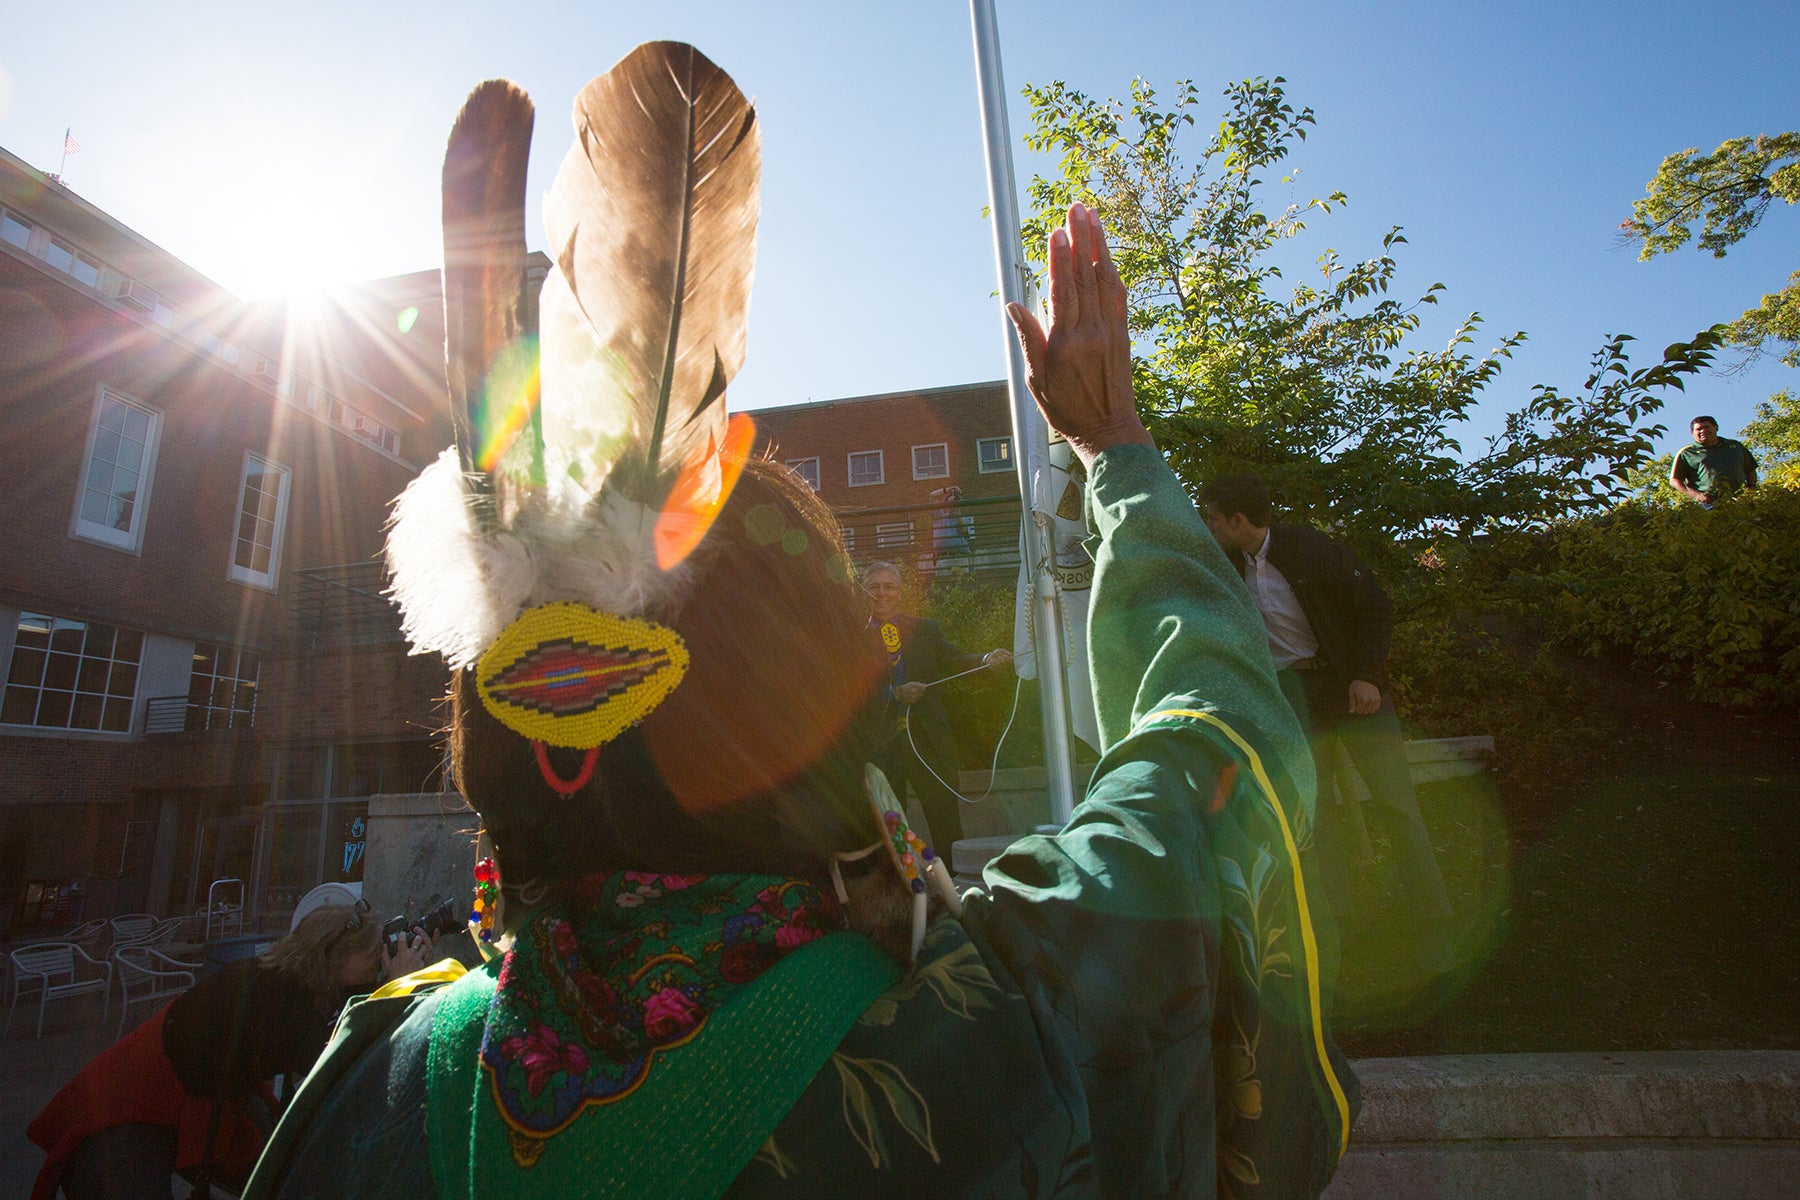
754 763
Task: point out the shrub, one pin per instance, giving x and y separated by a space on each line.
1710 599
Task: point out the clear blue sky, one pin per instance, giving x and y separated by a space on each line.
282 146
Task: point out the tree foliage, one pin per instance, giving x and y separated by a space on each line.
1317 385
1727 193
1774 434
1708 600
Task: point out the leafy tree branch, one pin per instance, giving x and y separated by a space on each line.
1727 194
1318 384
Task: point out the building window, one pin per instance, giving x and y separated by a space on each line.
222 688
14 229
72 675
897 533
865 468
994 454
931 462
262 514
115 490
71 261
807 469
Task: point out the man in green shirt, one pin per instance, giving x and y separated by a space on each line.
1713 467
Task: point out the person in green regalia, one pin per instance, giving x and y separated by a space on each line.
721 964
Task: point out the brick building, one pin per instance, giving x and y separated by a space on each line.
883 463
201 679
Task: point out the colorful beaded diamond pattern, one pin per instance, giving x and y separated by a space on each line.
568 675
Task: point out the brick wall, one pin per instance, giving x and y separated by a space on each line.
357 693
178 580
831 430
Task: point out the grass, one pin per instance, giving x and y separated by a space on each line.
1660 911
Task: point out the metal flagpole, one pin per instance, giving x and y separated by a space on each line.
1046 628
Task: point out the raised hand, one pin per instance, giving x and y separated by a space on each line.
1080 371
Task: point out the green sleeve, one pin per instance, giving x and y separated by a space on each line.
1682 470
1112 928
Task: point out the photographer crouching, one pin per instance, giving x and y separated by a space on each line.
188 1090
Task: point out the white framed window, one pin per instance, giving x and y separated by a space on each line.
15 229
222 687
121 461
807 469
994 454
72 675
70 261
892 534
866 468
261 517
931 462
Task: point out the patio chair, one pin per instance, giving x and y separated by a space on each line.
131 928
57 970
148 976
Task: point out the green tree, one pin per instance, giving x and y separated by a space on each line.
1774 433
1314 385
1727 193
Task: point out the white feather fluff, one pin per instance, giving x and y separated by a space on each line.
458 587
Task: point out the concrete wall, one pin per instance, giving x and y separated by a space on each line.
421 850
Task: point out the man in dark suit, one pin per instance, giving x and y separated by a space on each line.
1329 623
918 656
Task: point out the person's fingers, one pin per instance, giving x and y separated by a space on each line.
1031 336
1033 343
1063 303
1112 288
1081 249
1103 263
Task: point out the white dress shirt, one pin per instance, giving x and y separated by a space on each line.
1291 636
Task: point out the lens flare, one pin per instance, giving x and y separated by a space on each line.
1385 980
508 402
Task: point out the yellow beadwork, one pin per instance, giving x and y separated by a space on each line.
580 649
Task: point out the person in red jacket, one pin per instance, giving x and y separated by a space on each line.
186 1091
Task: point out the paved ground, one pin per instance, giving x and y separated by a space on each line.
1506 1127
34 1069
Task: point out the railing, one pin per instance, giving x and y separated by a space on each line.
343 605
970 535
346 605
178 714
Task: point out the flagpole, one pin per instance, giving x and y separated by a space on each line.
65 158
1009 259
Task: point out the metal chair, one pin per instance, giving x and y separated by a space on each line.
131 928
56 970
147 975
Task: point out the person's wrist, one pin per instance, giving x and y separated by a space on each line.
1090 444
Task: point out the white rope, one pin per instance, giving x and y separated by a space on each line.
994 766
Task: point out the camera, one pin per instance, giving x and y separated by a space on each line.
435 922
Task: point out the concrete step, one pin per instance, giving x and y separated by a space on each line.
1716 1124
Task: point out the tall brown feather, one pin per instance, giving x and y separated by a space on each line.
486 305
652 222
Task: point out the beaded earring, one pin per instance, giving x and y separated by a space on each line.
918 864
487 900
